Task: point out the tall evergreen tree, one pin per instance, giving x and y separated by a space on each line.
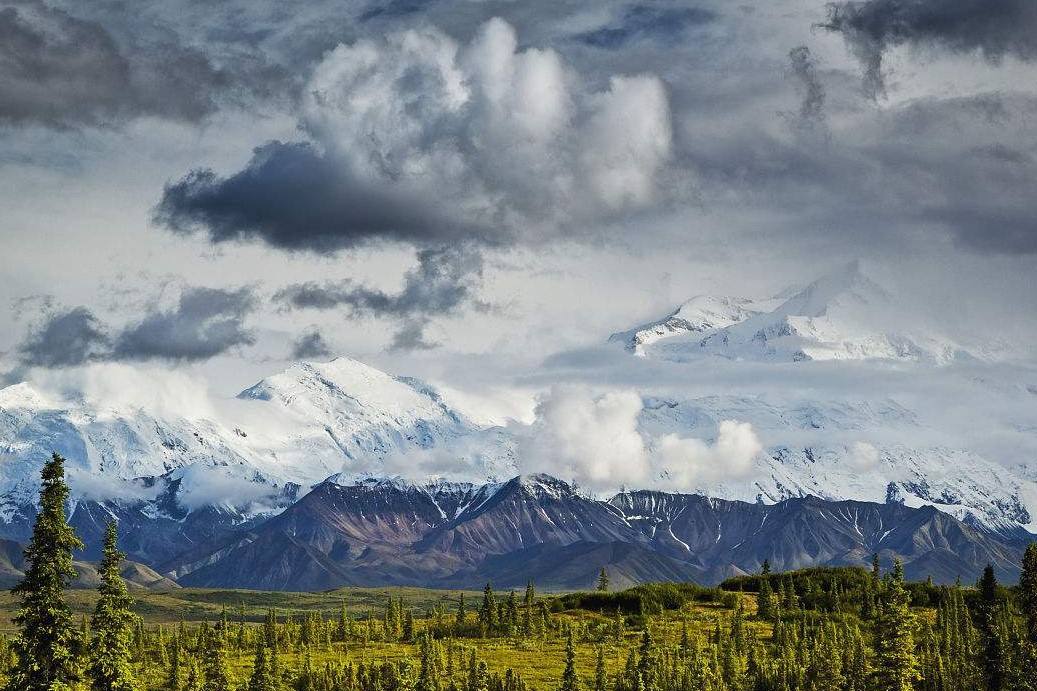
991 638
47 644
216 676
462 614
527 609
260 679
765 600
570 681
109 668
1028 591
603 580
600 673
895 662
488 610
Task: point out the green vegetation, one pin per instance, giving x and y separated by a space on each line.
838 629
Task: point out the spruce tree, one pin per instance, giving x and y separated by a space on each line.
895 663
488 610
109 668
1028 591
993 644
765 600
175 650
47 644
603 580
600 673
570 681
194 680
260 679
461 613
527 609
216 675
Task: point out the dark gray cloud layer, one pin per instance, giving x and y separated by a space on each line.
66 338
908 176
646 22
444 281
994 28
811 109
293 197
59 70
205 322
310 346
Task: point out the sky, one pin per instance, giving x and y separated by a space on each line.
480 192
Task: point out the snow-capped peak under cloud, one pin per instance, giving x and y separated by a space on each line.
844 315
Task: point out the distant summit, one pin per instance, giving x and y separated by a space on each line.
844 315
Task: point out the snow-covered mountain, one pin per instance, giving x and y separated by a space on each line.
188 482
845 315
295 428
699 315
818 448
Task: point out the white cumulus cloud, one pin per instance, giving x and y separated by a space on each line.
503 136
595 440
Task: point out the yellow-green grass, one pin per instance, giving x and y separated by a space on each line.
540 662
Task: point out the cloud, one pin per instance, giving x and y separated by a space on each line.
689 463
993 28
811 116
293 197
311 346
204 323
444 281
203 485
64 338
596 440
646 22
863 456
591 439
59 70
414 138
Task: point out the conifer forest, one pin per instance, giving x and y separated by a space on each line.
822 629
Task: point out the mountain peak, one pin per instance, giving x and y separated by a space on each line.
21 396
849 285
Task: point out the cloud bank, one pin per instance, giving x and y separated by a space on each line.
203 323
595 440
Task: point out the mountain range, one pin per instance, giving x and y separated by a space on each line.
298 481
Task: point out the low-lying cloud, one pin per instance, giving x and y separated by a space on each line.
595 440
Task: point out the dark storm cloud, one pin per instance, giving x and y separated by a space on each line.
912 175
811 109
310 345
395 8
444 281
64 339
994 28
205 322
639 22
293 197
59 70
411 336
